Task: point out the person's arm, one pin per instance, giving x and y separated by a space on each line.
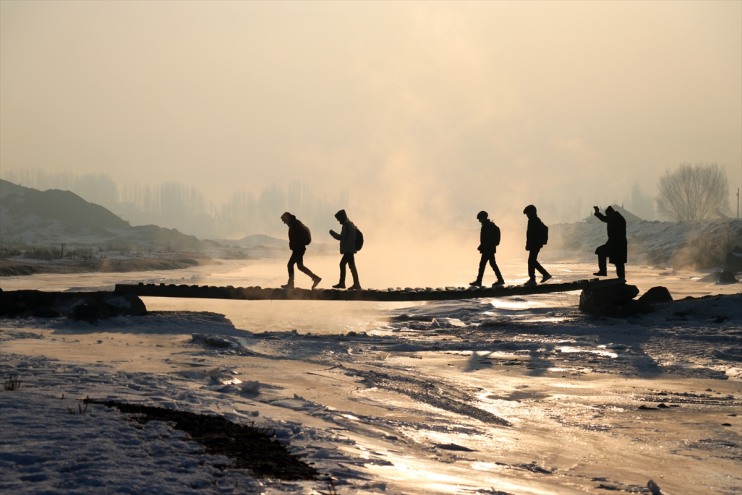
292 238
335 235
600 216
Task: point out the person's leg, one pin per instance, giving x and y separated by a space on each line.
532 254
300 265
534 265
493 264
353 271
541 269
290 268
302 268
602 264
544 274
343 263
480 273
621 271
602 257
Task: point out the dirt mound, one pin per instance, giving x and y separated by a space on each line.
249 447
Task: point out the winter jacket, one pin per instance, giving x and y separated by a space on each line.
489 237
617 245
534 234
299 235
347 238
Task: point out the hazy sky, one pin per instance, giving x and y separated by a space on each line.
431 108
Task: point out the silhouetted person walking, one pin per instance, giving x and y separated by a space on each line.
537 234
299 238
489 238
615 250
347 238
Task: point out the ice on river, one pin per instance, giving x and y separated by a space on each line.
520 395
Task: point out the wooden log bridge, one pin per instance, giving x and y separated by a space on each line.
391 295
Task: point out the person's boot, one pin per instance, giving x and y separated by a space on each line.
476 283
315 281
602 268
339 285
356 284
531 283
288 285
499 283
546 277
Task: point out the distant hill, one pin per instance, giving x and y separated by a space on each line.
53 206
261 241
265 246
628 216
32 217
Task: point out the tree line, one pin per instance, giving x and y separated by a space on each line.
184 207
694 192
686 194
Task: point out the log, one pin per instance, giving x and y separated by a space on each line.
393 295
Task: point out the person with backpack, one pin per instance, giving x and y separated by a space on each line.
351 241
615 249
489 238
299 238
537 235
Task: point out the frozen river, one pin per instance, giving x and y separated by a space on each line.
336 316
501 396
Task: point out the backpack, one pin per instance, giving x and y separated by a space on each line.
544 233
359 239
496 234
306 235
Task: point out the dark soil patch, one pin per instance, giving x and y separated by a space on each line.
249 447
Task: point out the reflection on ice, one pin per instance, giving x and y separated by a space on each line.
515 304
600 352
566 385
426 479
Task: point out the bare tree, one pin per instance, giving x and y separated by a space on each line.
693 192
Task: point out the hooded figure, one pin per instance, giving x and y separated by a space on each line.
299 239
489 238
347 238
536 237
616 248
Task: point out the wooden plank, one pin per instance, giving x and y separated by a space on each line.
407 294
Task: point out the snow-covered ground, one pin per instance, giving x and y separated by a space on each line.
499 396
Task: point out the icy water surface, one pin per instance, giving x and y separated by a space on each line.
520 395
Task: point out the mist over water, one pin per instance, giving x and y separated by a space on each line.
412 116
421 111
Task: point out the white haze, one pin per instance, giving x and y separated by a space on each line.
426 112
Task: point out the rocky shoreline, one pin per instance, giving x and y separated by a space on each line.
80 306
15 267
